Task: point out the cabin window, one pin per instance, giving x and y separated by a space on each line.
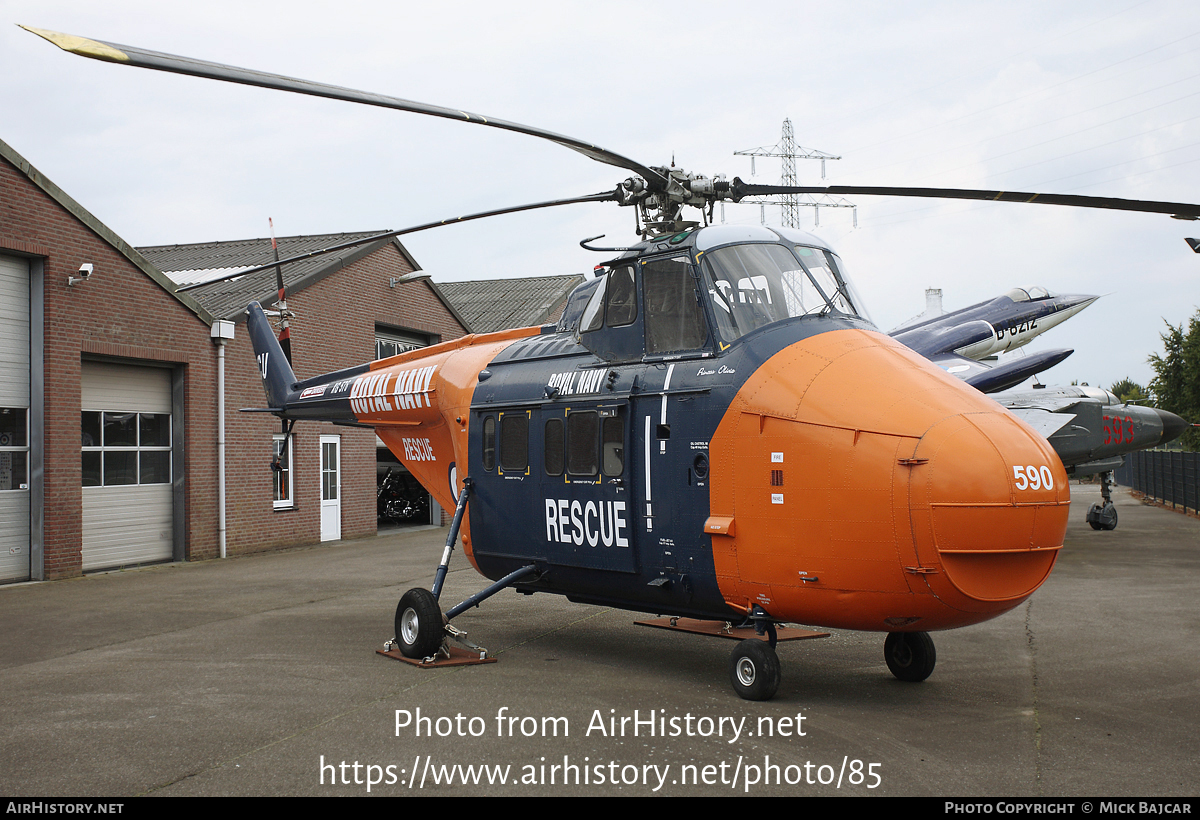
622 297
489 443
556 447
674 318
514 442
583 431
612 446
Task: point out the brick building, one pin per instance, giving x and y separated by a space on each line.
350 307
108 391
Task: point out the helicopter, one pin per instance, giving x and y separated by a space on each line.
714 429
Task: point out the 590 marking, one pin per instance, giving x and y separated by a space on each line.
1032 477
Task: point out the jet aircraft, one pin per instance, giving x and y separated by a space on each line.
1092 430
957 340
1089 428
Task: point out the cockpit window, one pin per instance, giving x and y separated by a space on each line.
593 314
1025 295
824 268
674 317
622 297
755 285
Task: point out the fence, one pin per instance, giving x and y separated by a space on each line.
1166 476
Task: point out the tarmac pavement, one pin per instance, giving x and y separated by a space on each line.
244 676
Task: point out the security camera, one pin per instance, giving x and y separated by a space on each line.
85 271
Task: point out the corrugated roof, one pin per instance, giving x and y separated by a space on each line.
501 304
187 264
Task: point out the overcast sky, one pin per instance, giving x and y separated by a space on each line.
1098 98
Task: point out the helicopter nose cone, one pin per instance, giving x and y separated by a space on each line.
856 485
1173 426
988 499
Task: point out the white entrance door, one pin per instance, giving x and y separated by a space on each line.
331 488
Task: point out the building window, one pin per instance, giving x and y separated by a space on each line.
390 343
125 448
283 476
14 448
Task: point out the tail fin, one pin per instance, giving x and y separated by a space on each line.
278 378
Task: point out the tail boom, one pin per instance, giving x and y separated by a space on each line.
418 402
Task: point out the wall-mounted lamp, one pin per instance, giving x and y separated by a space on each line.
415 276
85 273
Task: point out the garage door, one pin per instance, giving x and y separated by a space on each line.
126 442
14 419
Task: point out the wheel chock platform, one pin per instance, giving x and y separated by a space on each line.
458 657
718 629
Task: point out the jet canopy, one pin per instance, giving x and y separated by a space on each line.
1032 294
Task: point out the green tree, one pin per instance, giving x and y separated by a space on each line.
1127 390
1176 382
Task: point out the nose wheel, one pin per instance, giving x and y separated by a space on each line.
1103 516
910 655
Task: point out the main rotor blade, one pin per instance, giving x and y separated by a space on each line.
1179 210
610 196
141 58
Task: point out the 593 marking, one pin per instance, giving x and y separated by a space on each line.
1033 477
1115 433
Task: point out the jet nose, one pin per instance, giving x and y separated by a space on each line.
988 499
1173 426
1079 301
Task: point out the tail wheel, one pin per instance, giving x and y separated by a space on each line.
419 624
754 670
910 655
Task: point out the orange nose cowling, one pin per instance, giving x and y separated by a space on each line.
856 485
988 510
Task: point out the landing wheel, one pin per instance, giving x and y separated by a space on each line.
754 670
418 624
910 655
1103 516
